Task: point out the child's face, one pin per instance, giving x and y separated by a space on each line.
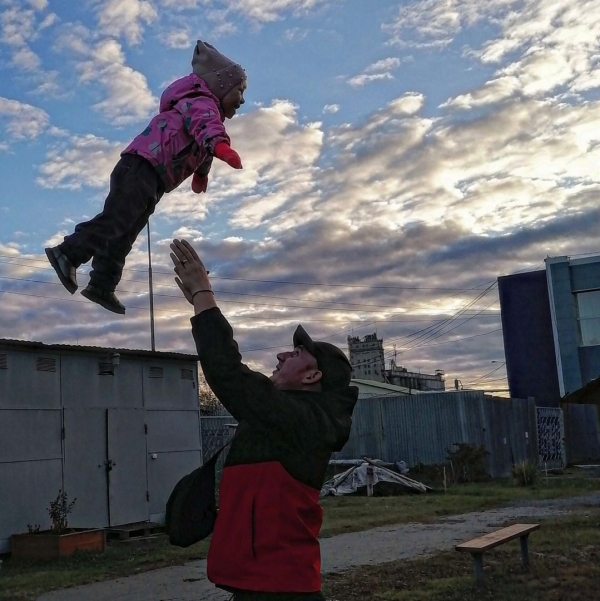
234 99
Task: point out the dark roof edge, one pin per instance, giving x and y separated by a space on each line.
7 343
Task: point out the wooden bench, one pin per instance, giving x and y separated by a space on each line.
477 546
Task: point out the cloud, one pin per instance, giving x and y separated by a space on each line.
125 18
18 29
265 11
23 121
295 34
435 23
176 38
377 71
18 26
128 97
80 161
38 4
360 80
331 108
395 221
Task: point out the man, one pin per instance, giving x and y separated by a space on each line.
264 545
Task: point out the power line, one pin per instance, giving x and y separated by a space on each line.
434 330
297 283
376 309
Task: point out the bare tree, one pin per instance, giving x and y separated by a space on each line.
209 403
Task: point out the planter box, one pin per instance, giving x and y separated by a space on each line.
47 545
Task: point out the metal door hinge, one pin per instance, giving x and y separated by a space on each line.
145 428
147 496
62 433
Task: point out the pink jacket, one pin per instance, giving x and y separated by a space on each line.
184 133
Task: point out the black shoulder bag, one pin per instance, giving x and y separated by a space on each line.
192 508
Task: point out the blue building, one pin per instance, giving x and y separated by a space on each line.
551 328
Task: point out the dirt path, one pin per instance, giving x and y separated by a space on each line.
342 552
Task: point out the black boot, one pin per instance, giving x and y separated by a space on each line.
105 298
65 270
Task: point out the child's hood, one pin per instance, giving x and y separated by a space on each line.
179 89
220 73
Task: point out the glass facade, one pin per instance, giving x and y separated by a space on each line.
588 305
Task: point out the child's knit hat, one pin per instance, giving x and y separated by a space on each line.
220 73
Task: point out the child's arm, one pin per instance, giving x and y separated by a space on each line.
203 121
224 152
200 177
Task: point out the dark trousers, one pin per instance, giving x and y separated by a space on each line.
254 596
135 189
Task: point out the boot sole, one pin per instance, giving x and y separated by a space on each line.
102 302
66 282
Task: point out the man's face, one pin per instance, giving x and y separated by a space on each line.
234 99
295 370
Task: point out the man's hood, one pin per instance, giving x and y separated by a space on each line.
339 405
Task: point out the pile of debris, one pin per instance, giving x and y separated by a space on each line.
367 473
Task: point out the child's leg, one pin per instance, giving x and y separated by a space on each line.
108 263
134 187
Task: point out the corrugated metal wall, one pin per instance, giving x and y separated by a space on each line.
421 429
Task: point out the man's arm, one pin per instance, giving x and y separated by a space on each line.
247 394
192 276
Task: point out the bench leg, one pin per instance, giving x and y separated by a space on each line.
525 551
478 558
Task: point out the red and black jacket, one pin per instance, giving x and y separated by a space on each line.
265 536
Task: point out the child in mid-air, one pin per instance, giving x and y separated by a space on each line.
180 141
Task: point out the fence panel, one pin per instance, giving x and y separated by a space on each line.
551 436
421 429
582 432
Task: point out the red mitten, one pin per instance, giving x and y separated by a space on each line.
199 183
224 152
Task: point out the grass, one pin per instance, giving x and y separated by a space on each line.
353 514
20 581
565 566
26 580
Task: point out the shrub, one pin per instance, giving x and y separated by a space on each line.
467 463
525 473
59 509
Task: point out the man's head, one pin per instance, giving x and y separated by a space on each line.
311 366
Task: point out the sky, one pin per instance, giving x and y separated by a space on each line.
398 158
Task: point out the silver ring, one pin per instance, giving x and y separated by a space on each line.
183 261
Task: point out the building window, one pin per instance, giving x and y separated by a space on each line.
3 361
588 305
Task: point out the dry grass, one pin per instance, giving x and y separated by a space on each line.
565 566
21 581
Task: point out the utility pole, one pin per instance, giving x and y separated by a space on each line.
152 344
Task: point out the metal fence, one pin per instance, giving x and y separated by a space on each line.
551 436
421 429
216 429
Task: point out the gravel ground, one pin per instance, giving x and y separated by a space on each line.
342 552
